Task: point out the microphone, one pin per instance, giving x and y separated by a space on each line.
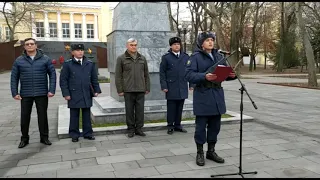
224 52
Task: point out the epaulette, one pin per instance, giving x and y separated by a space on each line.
68 60
89 61
166 53
195 53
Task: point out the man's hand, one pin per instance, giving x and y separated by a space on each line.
191 88
17 97
50 94
147 92
121 94
96 94
67 98
165 90
211 77
232 75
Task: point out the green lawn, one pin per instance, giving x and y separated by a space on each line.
146 122
107 80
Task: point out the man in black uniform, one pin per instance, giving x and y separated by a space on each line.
79 83
174 83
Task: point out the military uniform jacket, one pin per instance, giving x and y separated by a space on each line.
206 101
172 75
80 82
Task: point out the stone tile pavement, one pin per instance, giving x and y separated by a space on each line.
283 141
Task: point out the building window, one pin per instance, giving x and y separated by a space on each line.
90 31
77 31
65 30
7 31
40 29
53 30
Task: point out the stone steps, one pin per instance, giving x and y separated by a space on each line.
64 116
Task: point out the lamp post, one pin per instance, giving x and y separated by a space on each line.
184 30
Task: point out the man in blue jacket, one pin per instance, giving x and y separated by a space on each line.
32 69
174 83
208 96
79 83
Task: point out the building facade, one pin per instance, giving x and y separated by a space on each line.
66 23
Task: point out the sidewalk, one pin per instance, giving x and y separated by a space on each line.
283 141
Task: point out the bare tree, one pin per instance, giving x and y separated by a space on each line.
312 78
282 38
19 14
254 36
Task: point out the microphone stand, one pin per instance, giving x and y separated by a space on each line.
242 89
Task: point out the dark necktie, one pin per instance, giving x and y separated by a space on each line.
177 55
79 62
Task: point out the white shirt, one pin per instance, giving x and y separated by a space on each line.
177 54
78 60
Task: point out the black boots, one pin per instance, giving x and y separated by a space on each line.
200 155
212 155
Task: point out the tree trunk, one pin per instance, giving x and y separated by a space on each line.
234 27
312 78
282 36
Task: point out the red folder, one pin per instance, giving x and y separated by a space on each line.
222 72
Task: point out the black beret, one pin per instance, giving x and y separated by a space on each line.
203 36
77 47
174 40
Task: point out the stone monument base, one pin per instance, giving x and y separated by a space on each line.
109 110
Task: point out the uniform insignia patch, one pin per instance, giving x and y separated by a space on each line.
189 62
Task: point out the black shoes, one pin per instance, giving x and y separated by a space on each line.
170 131
180 130
87 137
130 134
140 133
23 144
45 141
90 137
137 132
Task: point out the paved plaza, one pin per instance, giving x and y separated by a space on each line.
282 141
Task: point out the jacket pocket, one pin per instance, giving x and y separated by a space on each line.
127 66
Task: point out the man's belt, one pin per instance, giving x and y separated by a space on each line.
209 84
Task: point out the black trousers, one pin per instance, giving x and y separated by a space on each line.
74 123
207 129
26 109
134 105
174 113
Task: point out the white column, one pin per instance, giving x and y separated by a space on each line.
96 27
84 26
59 25
71 26
46 25
33 26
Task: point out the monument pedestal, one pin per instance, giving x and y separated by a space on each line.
109 110
148 23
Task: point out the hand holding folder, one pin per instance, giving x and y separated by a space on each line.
222 72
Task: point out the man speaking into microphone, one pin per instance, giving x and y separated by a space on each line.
208 96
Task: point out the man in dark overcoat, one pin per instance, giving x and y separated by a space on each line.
208 96
174 83
79 83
